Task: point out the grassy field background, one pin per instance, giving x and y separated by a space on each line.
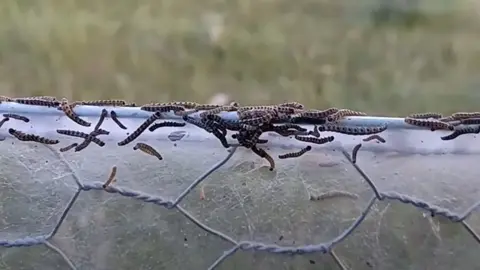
383 57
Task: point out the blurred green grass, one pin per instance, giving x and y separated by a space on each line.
382 57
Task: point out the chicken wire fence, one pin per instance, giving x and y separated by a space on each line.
404 200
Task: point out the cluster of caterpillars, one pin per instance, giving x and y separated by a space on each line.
460 123
284 119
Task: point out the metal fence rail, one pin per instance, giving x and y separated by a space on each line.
400 138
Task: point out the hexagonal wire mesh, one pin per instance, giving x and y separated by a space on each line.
199 207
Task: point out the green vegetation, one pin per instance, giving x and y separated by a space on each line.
384 57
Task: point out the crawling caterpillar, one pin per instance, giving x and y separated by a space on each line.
295 154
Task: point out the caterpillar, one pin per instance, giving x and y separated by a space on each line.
165 124
461 131
102 102
218 110
4 120
375 137
90 138
306 120
315 140
263 154
295 154
185 104
353 130
447 119
288 126
253 113
197 123
111 177
17 117
292 104
257 108
433 124
463 115
214 125
230 125
355 152
82 135
36 102
344 113
103 115
30 137
257 120
426 115
140 129
148 150
115 119
206 107
470 121
67 109
314 132
318 114
287 110
162 108
68 147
